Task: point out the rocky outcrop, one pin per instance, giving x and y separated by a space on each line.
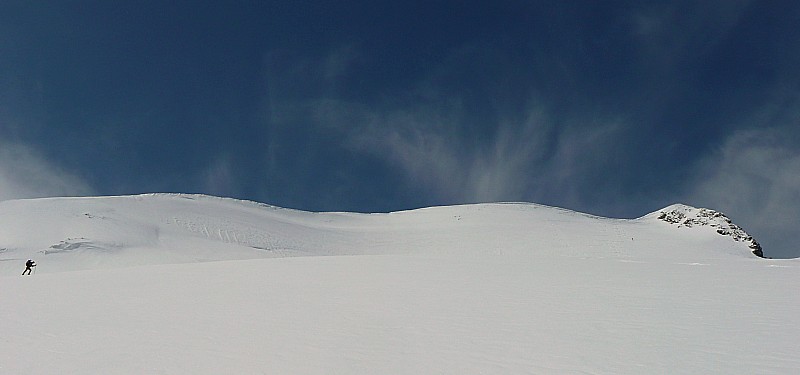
687 216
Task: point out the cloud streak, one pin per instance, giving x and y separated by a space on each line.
26 173
753 176
517 150
754 179
533 157
218 177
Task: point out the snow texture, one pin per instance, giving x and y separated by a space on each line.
190 284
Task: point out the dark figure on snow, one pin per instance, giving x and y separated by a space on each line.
29 266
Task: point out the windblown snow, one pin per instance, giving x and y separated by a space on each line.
192 284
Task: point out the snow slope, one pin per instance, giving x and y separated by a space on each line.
188 284
101 232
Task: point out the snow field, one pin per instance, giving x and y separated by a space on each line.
186 284
405 315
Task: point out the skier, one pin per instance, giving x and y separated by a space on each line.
29 266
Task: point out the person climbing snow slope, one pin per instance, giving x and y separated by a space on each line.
29 266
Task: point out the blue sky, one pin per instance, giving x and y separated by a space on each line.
615 108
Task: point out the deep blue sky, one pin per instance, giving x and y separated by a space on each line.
615 108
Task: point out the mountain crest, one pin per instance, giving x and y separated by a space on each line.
687 216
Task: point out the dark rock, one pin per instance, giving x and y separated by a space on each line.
685 216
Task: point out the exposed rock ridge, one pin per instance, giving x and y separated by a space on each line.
686 216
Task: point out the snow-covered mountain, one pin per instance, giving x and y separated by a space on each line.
193 284
688 217
100 232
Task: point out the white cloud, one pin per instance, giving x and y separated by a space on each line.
675 31
218 177
426 135
25 173
420 143
528 159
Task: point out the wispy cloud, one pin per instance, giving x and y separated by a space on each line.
26 173
754 178
218 178
533 157
429 147
672 32
441 146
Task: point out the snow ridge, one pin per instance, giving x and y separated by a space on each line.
687 217
67 234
